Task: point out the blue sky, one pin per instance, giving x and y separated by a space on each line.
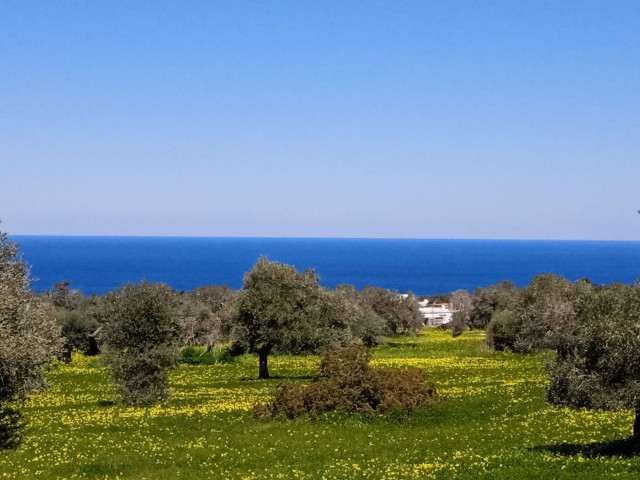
426 119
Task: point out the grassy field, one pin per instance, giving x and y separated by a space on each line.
492 422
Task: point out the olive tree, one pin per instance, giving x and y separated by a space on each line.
77 317
29 339
344 318
502 331
487 301
206 315
364 323
401 314
546 314
278 309
141 332
63 296
285 310
601 365
461 306
541 317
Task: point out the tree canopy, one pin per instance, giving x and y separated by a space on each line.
600 367
277 309
141 335
401 314
288 311
29 339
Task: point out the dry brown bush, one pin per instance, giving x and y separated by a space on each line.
347 383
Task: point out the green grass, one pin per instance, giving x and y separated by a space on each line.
200 355
492 422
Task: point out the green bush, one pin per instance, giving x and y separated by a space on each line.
346 383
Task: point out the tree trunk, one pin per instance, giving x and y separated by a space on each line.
636 427
94 342
65 355
264 366
564 352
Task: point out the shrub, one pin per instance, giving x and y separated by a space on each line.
347 383
141 335
403 389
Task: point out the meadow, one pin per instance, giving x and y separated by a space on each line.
491 422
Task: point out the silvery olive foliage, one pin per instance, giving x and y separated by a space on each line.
278 306
599 364
594 332
461 306
401 314
285 310
365 325
542 316
141 334
487 301
29 340
207 314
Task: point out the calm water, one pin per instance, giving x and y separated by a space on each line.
99 264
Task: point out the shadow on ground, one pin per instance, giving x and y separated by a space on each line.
402 344
277 377
627 448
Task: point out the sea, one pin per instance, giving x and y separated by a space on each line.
96 265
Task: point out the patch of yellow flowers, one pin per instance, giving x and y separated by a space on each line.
74 427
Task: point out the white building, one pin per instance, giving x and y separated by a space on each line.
435 314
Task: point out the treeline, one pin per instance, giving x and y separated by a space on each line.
141 329
278 309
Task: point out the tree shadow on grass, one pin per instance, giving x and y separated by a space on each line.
106 403
402 344
627 448
291 377
278 377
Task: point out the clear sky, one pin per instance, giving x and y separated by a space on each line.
449 119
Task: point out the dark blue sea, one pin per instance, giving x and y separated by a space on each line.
100 264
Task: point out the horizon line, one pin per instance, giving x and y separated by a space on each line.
292 237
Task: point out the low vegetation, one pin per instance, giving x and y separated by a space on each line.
347 383
491 422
